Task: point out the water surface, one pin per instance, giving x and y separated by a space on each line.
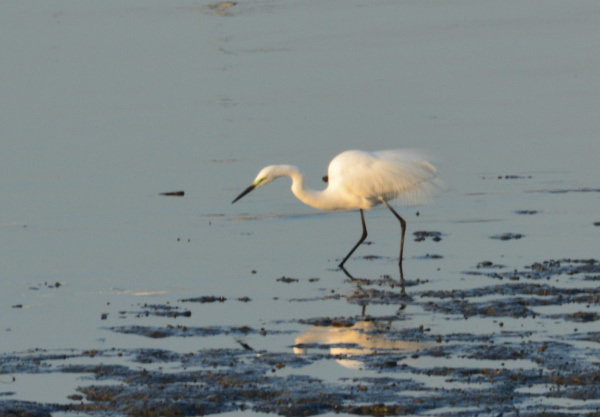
105 105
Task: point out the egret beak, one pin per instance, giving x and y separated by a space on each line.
246 191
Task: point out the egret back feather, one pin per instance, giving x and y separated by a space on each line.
367 177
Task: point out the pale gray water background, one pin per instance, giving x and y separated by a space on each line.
105 104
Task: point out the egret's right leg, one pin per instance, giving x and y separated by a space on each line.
361 240
403 231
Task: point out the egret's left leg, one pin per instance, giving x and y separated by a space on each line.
403 226
361 240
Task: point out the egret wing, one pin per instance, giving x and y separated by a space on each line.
384 174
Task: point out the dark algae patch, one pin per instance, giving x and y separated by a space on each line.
423 235
182 331
499 354
507 236
159 310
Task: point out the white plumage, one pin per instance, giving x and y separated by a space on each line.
362 180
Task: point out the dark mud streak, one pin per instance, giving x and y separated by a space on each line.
156 332
422 235
508 236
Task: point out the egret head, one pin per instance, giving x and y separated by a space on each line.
265 176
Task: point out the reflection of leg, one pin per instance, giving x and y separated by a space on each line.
362 239
349 275
402 289
403 227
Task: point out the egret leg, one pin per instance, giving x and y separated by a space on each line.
361 240
403 227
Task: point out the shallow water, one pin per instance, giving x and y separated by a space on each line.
106 105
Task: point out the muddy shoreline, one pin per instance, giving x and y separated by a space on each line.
518 372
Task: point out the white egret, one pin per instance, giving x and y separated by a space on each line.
361 180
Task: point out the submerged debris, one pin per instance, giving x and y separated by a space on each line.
488 264
422 235
173 193
156 332
431 256
527 212
287 280
160 310
507 236
514 177
206 299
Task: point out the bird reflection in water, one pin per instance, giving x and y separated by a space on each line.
363 338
